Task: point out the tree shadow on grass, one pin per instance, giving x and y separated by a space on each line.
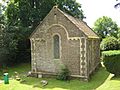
97 79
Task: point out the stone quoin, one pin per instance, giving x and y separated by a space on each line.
64 40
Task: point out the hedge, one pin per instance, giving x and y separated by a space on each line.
109 43
119 43
111 60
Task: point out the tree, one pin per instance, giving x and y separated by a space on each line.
118 35
2 27
8 39
0 8
22 18
31 12
105 26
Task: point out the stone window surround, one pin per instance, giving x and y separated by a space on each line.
60 48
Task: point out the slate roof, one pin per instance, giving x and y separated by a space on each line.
81 25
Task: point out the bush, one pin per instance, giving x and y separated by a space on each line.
109 43
119 43
111 60
64 74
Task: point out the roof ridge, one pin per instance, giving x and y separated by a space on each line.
81 25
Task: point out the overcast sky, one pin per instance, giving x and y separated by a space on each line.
93 9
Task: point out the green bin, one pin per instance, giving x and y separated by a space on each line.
6 78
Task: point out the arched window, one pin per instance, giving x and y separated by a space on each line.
56 46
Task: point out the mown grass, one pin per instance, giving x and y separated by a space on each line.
111 83
30 83
22 69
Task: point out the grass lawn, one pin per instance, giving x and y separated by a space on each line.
101 80
111 83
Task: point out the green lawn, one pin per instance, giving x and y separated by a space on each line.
22 69
111 83
101 80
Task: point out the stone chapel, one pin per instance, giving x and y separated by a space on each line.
64 40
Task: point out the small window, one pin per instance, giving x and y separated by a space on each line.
56 47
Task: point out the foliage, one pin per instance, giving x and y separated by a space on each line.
20 68
2 48
105 26
21 18
71 7
118 35
111 60
119 43
0 8
10 37
64 74
109 43
31 12
1 29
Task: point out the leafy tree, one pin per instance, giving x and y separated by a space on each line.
2 27
105 26
118 33
31 12
1 30
22 18
109 43
8 39
0 8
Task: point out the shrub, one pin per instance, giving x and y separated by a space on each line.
109 43
119 43
64 74
111 60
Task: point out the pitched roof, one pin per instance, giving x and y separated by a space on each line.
81 25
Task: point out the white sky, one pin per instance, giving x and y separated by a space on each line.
94 9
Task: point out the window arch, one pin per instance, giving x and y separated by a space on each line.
56 46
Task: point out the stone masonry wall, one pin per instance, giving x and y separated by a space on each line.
94 54
76 52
